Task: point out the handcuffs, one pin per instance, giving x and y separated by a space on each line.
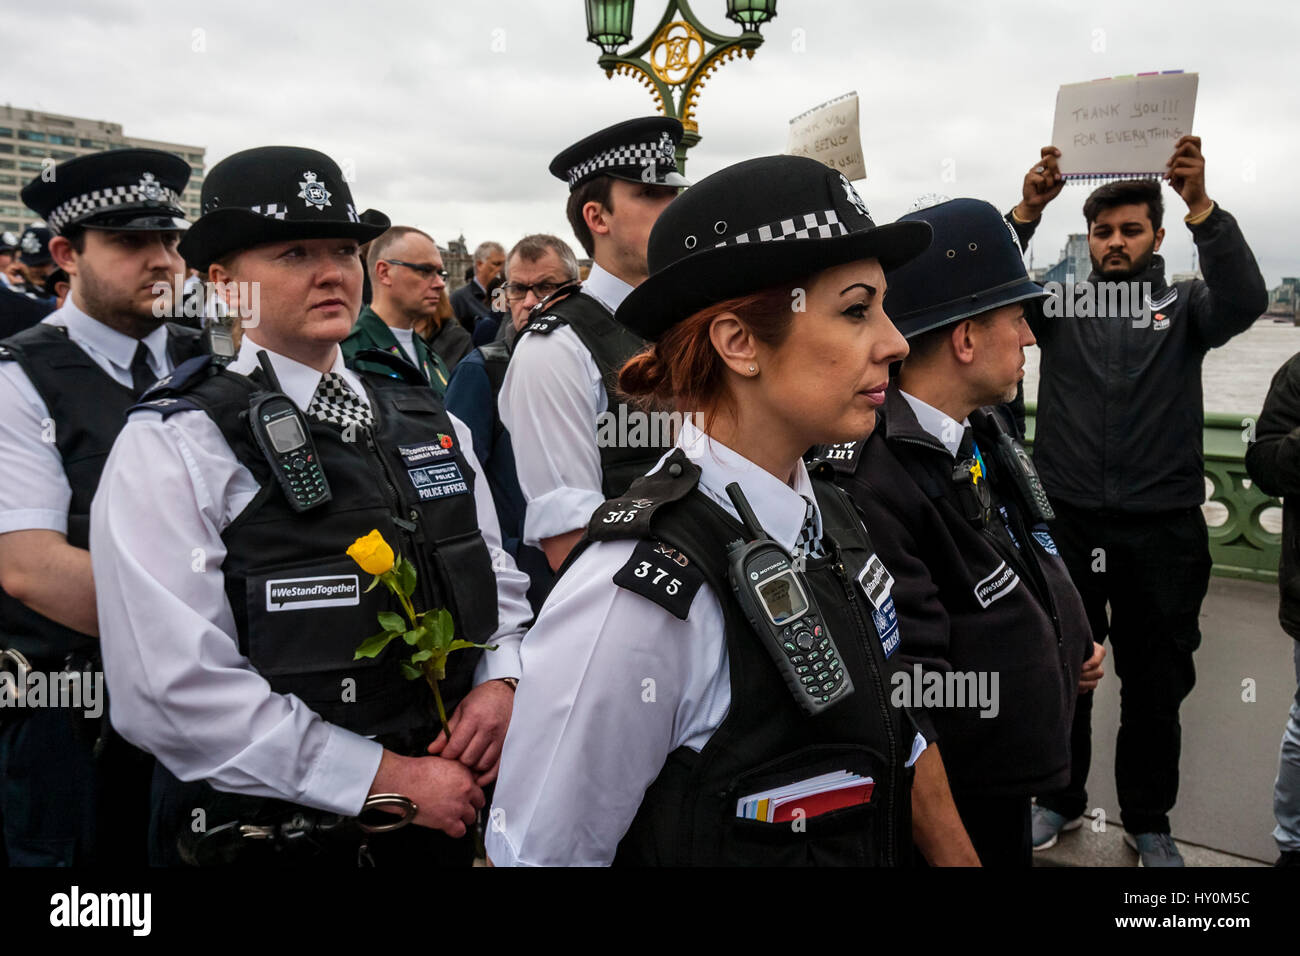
222 844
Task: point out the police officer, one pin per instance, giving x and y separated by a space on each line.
65 386
563 373
266 729
958 516
653 717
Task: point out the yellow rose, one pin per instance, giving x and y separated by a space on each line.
372 553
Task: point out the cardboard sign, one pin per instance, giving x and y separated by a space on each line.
1124 127
829 134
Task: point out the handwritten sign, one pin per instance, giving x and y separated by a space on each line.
829 134
1122 127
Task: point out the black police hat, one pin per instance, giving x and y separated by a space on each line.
118 189
8 242
270 194
52 280
34 246
637 150
973 265
754 225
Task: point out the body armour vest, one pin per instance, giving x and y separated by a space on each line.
87 409
610 345
300 603
689 814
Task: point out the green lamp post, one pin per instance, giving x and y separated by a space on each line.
676 60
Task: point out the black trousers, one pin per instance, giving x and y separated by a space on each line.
1152 571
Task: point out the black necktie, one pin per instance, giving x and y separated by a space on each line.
142 376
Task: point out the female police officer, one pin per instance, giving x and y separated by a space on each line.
229 610
665 694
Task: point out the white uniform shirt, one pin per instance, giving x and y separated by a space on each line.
180 687
34 491
588 734
939 424
550 398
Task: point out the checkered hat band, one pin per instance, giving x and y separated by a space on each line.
813 225
271 210
275 210
97 200
635 155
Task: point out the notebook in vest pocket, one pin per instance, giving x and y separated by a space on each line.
809 831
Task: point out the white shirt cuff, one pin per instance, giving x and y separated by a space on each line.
503 662
559 512
497 845
345 772
34 519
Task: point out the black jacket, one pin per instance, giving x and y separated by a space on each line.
961 610
1119 399
469 303
1273 460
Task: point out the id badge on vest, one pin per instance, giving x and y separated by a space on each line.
877 584
433 469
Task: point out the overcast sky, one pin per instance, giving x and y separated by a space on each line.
449 111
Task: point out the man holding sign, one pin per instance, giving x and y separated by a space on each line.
1118 448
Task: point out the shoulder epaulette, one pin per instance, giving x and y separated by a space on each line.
839 458
629 516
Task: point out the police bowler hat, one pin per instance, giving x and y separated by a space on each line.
753 225
973 265
273 194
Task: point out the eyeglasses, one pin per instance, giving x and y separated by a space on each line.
517 292
423 268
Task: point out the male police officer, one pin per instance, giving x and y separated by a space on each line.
231 616
985 604
564 370
65 386
1118 446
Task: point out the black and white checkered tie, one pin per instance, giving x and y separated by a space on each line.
810 535
336 403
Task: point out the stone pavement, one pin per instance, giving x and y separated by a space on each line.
1232 727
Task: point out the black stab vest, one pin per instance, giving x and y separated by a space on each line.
87 409
299 601
610 345
688 815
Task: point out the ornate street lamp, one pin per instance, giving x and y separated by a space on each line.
678 57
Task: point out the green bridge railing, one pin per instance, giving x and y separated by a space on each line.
1239 543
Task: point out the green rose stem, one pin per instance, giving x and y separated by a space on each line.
391 583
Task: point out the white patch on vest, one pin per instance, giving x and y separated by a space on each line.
999 584
299 594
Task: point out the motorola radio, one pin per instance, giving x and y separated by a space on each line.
782 610
281 432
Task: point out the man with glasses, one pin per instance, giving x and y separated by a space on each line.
537 268
408 280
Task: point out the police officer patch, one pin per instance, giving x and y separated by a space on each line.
878 584
663 575
313 193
